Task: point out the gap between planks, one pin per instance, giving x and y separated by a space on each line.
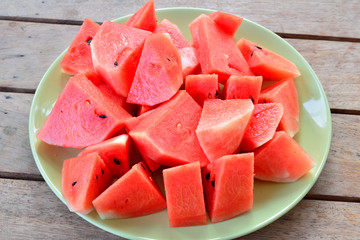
78 22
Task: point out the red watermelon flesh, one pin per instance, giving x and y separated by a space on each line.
243 87
281 159
263 124
83 179
173 30
216 50
82 116
115 153
222 126
167 134
185 195
202 86
144 108
226 21
159 73
266 63
134 194
284 92
116 51
228 185
189 61
78 57
144 18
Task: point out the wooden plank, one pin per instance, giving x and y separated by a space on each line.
28 49
323 17
40 214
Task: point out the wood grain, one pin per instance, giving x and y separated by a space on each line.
323 17
29 48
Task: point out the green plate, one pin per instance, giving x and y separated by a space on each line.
271 200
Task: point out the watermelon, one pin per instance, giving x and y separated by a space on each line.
167 135
116 51
281 159
166 26
82 116
144 108
202 86
216 50
159 74
228 185
226 21
222 126
78 57
82 180
189 61
243 87
284 92
134 194
144 18
266 63
115 153
185 195
263 124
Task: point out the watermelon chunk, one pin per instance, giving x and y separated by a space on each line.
144 18
82 116
202 86
226 21
78 57
263 124
222 126
134 194
189 61
159 74
281 159
173 30
284 92
216 50
144 108
266 63
116 51
83 179
243 87
228 185
185 195
115 153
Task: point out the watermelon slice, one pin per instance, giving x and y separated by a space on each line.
114 152
159 74
185 195
228 185
173 30
222 126
202 86
116 51
144 18
266 63
216 50
281 159
284 92
82 180
189 61
167 134
243 87
226 21
78 57
263 124
82 116
134 194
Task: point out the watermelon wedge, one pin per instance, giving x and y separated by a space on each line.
202 86
166 26
226 21
144 18
243 87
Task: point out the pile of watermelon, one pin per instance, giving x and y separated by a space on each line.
144 101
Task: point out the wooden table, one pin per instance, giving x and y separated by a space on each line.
34 33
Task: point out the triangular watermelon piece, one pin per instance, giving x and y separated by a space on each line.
78 57
83 179
243 87
222 126
144 18
226 21
189 61
116 51
159 73
266 63
134 194
173 30
202 87
82 116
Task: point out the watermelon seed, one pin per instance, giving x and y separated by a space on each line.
207 176
213 183
116 161
252 53
217 94
89 41
102 116
252 99
102 171
61 111
73 184
258 47
96 176
115 64
168 59
143 166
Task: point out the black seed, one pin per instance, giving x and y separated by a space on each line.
142 165
168 59
61 111
73 184
96 176
115 64
258 47
252 53
252 99
102 116
264 101
89 41
207 176
217 94
116 161
213 183
102 171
